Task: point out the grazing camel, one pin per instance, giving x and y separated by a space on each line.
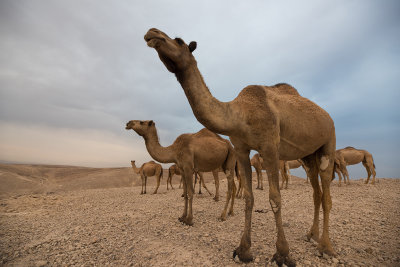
199 152
273 120
354 156
150 168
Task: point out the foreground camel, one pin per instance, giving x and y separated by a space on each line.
199 152
354 156
273 120
150 168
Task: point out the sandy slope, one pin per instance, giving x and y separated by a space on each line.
58 215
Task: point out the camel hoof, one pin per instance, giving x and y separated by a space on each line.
244 256
222 218
280 260
188 222
231 213
181 219
216 198
314 237
327 250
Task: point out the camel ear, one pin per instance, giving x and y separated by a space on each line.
141 122
150 123
192 46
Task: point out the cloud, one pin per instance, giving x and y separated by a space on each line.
84 66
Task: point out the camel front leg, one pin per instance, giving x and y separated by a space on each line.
271 160
188 176
243 251
142 192
216 181
185 196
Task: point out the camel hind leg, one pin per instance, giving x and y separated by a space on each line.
216 181
202 183
325 160
370 167
158 175
243 251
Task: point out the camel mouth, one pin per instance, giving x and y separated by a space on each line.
154 41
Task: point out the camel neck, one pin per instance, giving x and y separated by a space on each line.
135 169
156 151
209 111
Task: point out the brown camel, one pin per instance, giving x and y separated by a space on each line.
354 156
173 169
340 168
273 120
294 164
150 168
256 162
199 152
239 191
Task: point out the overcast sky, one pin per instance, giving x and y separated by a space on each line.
72 73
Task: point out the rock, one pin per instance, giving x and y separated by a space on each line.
40 263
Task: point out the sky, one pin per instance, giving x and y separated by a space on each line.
72 73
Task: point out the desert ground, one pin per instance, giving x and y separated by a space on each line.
77 216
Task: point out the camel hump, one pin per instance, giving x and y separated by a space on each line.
206 133
349 147
284 88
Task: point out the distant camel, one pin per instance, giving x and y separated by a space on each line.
150 168
354 156
257 162
173 169
340 169
202 151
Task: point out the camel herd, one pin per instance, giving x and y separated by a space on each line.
286 129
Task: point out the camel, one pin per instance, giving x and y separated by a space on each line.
294 164
340 169
239 191
150 168
352 156
257 162
173 169
199 152
273 120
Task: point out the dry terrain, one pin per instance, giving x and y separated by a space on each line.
60 216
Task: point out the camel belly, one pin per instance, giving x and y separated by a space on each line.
209 154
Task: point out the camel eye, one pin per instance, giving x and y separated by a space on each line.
179 41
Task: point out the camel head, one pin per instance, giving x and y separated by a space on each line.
140 127
174 53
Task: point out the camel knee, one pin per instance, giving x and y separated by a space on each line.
275 202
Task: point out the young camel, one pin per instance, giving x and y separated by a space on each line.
354 156
150 168
273 120
202 151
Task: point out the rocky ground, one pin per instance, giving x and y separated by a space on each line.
84 217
